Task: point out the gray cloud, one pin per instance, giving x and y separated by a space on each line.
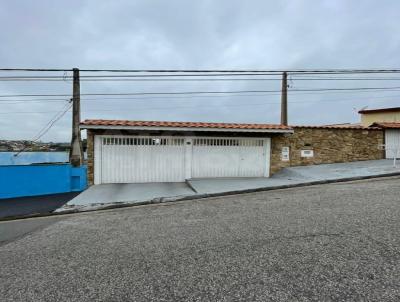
196 34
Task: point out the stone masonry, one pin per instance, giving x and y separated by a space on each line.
90 157
330 145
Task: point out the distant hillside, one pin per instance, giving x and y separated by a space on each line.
11 146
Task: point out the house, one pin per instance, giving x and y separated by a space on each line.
370 116
121 151
387 119
138 151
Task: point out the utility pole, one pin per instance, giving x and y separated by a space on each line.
76 151
284 109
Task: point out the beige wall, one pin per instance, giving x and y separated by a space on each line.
370 118
329 146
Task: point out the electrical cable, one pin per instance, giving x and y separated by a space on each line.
192 107
202 92
48 126
293 71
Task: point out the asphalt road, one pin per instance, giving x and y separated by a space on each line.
16 229
336 242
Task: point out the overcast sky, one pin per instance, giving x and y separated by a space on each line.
182 34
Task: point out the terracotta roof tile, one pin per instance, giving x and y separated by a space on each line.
392 125
182 124
350 127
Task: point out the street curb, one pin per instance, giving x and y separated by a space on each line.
161 200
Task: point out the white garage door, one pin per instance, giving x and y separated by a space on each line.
133 159
392 143
230 157
139 159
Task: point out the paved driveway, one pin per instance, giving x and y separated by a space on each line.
130 192
139 193
337 242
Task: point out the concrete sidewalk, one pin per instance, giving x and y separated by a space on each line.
109 195
298 175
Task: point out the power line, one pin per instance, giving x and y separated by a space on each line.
176 98
277 76
140 76
140 93
11 101
202 106
293 71
177 77
203 92
235 79
58 116
48 126
246 70
298 92
190 80
35 69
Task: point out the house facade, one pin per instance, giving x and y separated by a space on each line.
138 151
387 119
370 116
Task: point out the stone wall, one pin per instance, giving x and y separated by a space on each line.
330 145
90 156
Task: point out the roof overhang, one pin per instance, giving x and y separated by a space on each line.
386 125
381 110
191 129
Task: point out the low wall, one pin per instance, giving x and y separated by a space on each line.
33 180
329 145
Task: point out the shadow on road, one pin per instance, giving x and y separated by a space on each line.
34 205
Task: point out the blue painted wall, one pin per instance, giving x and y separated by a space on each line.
33 180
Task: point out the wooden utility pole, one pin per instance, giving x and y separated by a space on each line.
76 151
284 109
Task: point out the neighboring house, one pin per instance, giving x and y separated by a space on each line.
392 138
142 151
370 116
387 119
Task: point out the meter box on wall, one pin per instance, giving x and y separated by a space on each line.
285 154
307 153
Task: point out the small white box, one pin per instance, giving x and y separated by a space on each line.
307 153
285 154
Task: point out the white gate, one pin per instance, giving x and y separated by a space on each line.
230 157
122 159
139 159
392 143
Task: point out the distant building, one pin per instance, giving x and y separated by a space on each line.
389 120
371 116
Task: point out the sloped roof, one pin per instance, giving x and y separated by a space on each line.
392 109
90 124
387 125
339 126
